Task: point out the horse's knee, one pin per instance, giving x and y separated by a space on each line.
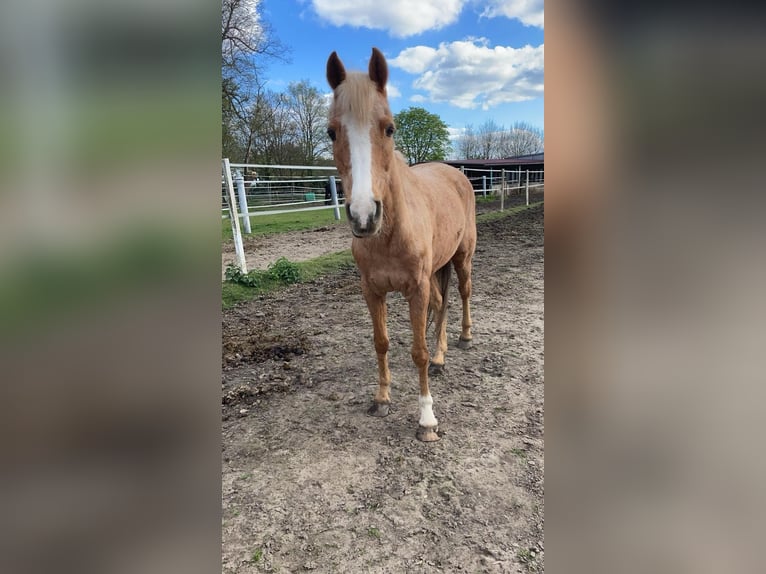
465 289
381 346
419 356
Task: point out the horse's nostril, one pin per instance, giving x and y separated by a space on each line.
378 208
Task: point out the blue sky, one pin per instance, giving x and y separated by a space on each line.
466 60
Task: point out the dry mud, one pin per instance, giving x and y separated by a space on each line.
311 483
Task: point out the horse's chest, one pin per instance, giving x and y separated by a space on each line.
390 275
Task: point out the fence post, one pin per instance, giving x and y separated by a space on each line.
240 181
484 185
502 200
334 196
502 180
234 216
526 187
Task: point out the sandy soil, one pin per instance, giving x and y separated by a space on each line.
311 483
262 250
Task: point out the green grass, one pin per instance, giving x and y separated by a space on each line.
296 221
266 281
519 452
301 220
501 214
529 559
373 532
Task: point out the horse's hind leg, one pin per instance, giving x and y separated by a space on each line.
437 361
462 262
439 303
377 307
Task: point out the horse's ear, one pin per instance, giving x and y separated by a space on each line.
378 70
336 73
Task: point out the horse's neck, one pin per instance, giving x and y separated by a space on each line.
399 212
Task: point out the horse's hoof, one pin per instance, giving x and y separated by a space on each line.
379 410
434 370
464 343
427 434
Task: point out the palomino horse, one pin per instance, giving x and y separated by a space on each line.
408 225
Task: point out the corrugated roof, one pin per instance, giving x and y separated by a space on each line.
518 160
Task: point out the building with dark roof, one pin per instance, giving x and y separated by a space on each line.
514 169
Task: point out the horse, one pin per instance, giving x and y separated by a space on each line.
409 226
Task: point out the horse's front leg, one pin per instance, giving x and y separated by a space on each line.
376 304
427 425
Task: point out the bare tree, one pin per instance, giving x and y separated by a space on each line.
246 45
523 139
273 130
247 42
488 137
492 141
308 110
467 144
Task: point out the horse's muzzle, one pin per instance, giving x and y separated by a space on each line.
371 226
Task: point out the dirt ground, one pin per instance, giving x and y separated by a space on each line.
311 483
262 250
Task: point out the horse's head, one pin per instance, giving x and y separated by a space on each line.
361 128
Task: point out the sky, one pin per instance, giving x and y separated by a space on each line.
466 60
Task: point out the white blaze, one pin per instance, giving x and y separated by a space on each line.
362 201
427 418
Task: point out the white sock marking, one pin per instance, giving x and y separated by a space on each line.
427 418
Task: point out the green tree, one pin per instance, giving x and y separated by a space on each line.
421 135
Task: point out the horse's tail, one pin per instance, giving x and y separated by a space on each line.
439 292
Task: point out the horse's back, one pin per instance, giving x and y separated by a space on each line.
446 183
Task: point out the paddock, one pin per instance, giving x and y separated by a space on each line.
310 483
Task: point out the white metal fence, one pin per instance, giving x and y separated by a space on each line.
262 193
250 190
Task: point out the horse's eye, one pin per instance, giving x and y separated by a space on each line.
390 130
331 133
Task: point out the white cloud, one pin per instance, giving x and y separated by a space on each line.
399 17
528 12
469 73
455 133
417 98
414 60
393 91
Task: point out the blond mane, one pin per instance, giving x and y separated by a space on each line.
357 95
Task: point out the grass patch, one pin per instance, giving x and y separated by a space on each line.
373 532
529 559
501 214
241 287
302 220
282 222
256 556
244 287
520 452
